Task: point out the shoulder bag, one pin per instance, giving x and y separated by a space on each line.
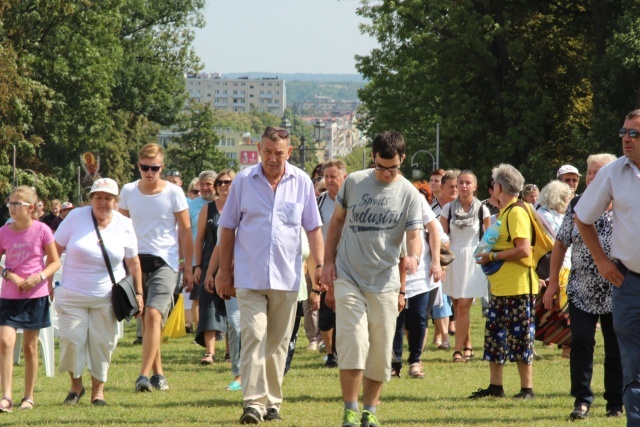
123 295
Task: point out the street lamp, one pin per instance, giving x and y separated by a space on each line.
417 173
318 132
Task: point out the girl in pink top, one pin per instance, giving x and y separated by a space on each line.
24 297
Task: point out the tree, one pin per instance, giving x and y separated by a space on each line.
534 84
195 150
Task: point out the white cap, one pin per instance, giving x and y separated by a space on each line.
67 205
567 169
106 185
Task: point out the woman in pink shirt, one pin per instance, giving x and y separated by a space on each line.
24 298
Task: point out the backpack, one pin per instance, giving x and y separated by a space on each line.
542 240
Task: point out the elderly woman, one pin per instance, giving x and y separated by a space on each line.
464 219
87 324
510 326
589 296
193 190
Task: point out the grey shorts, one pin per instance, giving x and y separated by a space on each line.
159 287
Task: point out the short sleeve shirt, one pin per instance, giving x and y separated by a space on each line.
377 217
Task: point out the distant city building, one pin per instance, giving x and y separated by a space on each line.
325 105
237 146
238 95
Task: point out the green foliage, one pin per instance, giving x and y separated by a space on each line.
195 150
84 75
354 160
534 84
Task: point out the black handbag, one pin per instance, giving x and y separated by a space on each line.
123 293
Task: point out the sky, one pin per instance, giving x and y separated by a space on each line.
285 36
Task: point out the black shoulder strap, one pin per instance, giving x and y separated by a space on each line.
104 250
574 202
481 219
320 199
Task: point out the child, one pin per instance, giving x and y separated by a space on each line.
24 298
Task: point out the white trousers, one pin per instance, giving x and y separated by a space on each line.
88 333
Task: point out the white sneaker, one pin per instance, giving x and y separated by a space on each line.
312 347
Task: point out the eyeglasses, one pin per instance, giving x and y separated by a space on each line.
173 173
223 182
568 180
17 204
154 168
392 170
195 191
633 133
270 131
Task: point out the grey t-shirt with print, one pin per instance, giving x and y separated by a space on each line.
377 217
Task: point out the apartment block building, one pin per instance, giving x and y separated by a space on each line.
238 95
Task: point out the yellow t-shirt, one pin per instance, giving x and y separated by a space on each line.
513 277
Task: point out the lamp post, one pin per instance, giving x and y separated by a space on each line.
318 132
417 173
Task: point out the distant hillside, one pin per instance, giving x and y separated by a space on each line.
301 91
306 77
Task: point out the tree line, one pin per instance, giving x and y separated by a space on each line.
533 83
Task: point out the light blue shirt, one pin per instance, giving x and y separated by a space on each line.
268 247
195 206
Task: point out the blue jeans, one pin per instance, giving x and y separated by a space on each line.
233 333
414 319
583 330
626 322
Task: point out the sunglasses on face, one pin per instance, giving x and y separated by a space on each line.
146 168
17 204
633 133
195 191
270 131
223 182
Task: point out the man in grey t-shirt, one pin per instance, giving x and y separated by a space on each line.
375 209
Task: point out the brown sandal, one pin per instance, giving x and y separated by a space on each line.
8 408
415 370
27 404
207 359
469 356
457 357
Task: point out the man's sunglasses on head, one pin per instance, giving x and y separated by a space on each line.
173 173
269 132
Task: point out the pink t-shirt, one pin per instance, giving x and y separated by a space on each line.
25 251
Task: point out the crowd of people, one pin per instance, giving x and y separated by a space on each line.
359 256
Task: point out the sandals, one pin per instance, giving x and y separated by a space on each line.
27 404
207 359
73 398
444 346
469 356
458 357
415 370
8 408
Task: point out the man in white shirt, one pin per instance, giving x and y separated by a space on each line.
619 181
160 217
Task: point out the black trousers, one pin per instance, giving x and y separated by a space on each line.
583 330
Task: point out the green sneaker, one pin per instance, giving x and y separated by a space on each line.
350 418
369 420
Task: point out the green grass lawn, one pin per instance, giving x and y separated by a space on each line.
312 392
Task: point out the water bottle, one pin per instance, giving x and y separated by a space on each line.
489 239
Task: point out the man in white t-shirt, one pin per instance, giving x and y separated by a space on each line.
160 217
334 173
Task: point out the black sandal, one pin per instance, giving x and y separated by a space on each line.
74 398
468 357
6 408
459 359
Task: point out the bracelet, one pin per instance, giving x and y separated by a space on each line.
139 294
319 266
417 258
403 293
42 277
197 266
5 272
181 260
315 291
